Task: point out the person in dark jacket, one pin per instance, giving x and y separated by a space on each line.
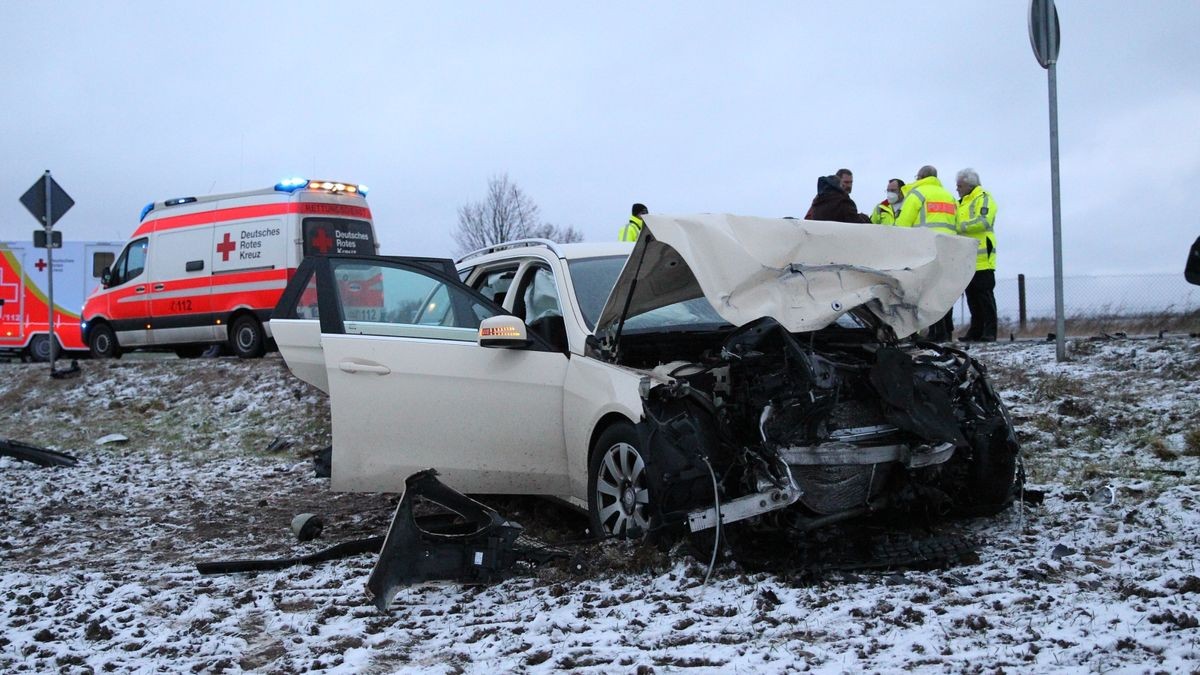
834 203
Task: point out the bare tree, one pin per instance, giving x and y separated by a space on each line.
505 214
566 234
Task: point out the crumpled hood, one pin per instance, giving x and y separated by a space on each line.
802 273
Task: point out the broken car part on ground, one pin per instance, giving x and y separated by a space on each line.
34 454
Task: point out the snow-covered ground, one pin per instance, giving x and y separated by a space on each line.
97 561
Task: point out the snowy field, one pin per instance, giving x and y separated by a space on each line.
97 561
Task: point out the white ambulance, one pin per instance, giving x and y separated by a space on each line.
208 270
25 293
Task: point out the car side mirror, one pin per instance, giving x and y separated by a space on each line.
505 332
105 277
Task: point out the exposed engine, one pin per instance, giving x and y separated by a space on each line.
781 431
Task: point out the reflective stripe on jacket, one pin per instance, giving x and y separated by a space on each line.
928 204
977 219
632 229
883 214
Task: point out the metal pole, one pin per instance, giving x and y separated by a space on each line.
1060 347
1021 301
50 268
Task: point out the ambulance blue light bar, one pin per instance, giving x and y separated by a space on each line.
146 209
292 184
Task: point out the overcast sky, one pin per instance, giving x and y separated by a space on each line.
688 107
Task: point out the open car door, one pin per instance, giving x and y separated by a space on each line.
395 343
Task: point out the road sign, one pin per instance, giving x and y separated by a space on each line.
39 239
34 199
1044 32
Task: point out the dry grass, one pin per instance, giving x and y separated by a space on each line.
1109 322
1191 443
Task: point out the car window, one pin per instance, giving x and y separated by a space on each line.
594 278
538 296
131 263
306 306
377 298
493 284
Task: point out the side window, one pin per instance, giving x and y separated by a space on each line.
130 264
306 306
117 273
135 264
538 297
100 260
494 283
379 299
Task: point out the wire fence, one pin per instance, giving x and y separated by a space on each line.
1135 304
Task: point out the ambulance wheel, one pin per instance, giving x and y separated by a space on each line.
103 342
39 348
246 337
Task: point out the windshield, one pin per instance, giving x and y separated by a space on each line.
594 279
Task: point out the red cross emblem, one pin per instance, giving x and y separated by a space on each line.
226 247
41 265
322 242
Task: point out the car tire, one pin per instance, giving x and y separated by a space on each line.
103 342
39 348
190 351
619 500
246 337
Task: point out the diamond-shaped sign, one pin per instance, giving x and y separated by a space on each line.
34 199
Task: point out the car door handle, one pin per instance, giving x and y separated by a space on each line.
139 289
159 287
356 367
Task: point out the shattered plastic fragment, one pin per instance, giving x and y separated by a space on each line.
476 548
112 438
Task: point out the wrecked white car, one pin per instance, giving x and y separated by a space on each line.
722 369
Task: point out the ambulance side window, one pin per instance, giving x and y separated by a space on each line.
131 263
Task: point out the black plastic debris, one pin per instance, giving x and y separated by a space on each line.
307 526
65 373
342 550
279 445
474 544
34 454
323 462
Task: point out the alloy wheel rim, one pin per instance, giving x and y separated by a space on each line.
622 497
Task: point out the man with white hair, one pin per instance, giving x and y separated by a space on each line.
977 219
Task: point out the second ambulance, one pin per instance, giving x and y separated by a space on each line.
208 270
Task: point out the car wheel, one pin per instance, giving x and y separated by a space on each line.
618 492
246 337
190 351
39 348
103 342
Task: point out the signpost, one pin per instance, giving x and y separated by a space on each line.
1045 35
47 201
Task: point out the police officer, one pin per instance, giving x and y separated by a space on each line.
977 219
633 228
886 210
928 204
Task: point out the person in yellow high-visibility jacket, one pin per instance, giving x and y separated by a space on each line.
633 228
928 204
886 210
977 219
